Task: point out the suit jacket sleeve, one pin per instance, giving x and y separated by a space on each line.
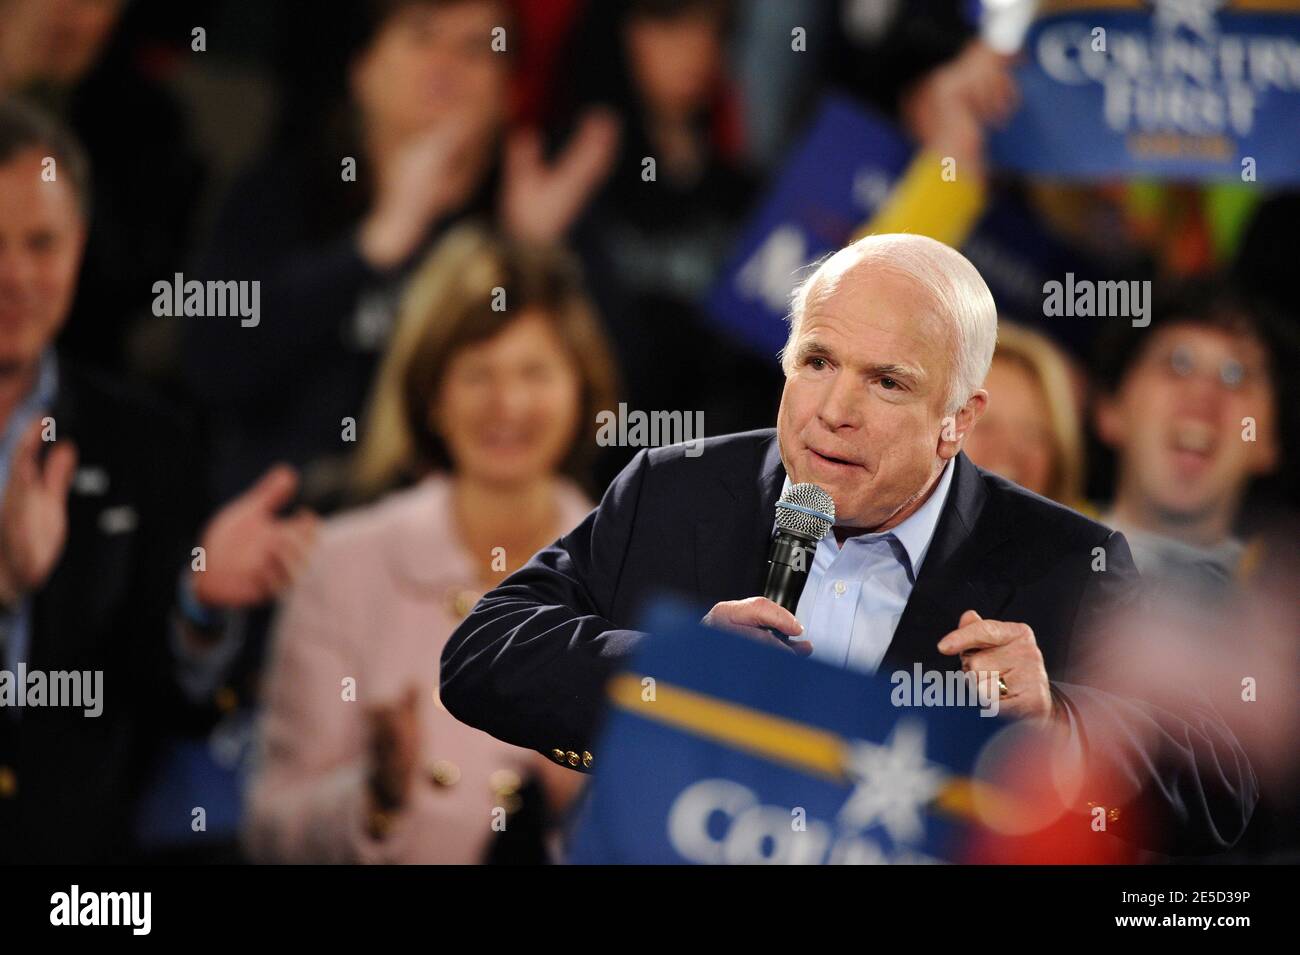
530 662
1178 776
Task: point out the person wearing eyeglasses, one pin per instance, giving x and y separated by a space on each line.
1190 406
1198 410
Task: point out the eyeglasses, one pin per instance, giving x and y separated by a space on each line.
1183 362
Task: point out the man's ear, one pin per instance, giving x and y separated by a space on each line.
1265 455
359 75
955 427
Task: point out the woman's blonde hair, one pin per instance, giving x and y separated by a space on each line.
1045 363
473 285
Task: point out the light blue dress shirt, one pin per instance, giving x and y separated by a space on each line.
856 594
199 672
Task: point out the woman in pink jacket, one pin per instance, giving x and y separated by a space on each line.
485 402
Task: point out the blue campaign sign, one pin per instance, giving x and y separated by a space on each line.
1182 89
721 750
837 177
848 166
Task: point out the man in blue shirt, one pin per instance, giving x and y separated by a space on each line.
932 562
103 593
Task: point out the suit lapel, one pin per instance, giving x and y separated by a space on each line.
52 600
72 612
955 577
731 553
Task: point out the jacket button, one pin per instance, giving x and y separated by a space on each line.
444 773
557 755
8 783
505 782
573 758
586 760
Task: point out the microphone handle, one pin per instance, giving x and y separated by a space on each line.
788 563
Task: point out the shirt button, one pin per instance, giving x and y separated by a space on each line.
840 588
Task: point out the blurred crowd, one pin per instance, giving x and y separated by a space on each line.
263 531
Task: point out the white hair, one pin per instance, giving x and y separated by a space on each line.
954 286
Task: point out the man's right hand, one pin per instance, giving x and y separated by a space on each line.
34 514
750 616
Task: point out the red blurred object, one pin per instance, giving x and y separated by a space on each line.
728 123
545 25
1069 841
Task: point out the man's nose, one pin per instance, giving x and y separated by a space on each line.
841 405
15 271
1201 394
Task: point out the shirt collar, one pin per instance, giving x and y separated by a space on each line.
917 531
39 398
42 395
1158 551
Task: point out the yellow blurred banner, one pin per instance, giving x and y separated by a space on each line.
924 202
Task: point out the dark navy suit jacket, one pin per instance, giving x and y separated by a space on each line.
529 663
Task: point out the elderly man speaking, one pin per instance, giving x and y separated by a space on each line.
931 560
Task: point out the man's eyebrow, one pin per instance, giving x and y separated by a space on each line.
891 370
811 346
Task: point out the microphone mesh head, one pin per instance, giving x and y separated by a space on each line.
806 510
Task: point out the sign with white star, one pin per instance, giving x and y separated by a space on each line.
893 783
748 755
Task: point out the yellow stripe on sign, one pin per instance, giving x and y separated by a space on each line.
923 203
810 750
1048 8
1260 6
779 740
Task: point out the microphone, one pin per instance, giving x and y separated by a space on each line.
803 516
